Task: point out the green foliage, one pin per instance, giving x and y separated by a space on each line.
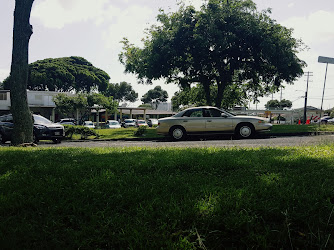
226 43
145 105
166 198
195 96
101 101
275 104
155 96
141 130
67 105
121 92
65 74
84 132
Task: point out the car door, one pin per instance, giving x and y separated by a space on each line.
7 126
218 121
193 120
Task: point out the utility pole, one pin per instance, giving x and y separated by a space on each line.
308 74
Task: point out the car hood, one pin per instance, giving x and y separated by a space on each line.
51 125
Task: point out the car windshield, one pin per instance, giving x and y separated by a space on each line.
114 123
89 123
141 122
41 120
129 121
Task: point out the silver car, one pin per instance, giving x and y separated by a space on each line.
211 120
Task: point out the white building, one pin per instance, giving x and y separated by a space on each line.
40 102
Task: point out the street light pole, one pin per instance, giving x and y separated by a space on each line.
305 105
327 60
323 91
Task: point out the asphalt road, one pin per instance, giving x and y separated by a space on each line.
198 142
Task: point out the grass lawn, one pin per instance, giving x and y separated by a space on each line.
167 198
301 128
122 133
128 133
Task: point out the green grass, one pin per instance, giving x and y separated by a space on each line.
301 128
128 133
123 133
167 198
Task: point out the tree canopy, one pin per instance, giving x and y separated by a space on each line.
121 92
65 74
195 96
224 43
155 96
275 104
82 103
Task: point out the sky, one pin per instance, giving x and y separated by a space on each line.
93 29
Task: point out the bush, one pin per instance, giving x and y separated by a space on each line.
80 130
140 131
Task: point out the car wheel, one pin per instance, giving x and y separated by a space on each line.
177 133
56 141
244 131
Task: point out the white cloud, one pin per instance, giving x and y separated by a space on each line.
4 73
58 13
314 28
130 23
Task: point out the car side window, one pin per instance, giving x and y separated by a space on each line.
193 113
215 113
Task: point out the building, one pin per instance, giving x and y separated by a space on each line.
41 102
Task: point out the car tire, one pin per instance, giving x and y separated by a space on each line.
177 133
56 141
244 131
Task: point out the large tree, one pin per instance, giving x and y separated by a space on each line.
225 43
195 96
155 96
121 92
23 121
65 74
275 104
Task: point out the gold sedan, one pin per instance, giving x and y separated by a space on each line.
211 120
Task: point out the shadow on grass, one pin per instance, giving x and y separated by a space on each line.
166 198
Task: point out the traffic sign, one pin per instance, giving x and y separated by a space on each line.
323 59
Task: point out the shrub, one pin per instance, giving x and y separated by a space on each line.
140 131
80 130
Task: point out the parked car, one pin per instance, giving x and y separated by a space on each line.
325 119
112 124
152 122
141 123
44 129
68 121
88 124
330 121
210 120
129 123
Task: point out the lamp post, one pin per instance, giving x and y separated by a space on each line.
305 104
327 60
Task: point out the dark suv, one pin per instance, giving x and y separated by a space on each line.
44 129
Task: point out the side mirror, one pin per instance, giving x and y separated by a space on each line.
223 115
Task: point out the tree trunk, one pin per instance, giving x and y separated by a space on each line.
206 85
23 121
